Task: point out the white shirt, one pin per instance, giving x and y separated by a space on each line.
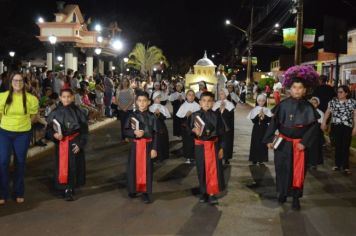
187 107
277 86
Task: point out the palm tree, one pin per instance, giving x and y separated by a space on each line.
145 59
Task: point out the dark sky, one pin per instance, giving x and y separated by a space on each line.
182 28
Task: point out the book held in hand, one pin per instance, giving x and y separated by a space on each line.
277 141
57 127
135 124
199 124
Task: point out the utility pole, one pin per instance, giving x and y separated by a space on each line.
249 58
299 31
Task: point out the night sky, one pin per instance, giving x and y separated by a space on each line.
183 29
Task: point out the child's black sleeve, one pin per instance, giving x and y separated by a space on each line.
49 130
128 131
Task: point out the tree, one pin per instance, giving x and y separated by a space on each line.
145 59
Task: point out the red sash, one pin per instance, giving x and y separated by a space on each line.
298 163
211 172
63 158
141 164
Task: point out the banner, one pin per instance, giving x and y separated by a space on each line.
309 37
244 60
289 37
254 61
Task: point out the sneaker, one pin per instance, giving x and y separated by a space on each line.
146 198
68 195
188 161
132 195
213 200
296 204
336 168
203 198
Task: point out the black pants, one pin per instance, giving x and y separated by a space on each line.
123 116
342 137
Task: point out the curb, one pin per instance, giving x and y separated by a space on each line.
34 151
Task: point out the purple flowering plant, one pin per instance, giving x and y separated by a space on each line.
305 72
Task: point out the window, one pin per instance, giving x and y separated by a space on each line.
74 18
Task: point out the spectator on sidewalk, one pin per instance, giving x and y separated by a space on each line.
324 92
17 109
277 90
343 118
109 93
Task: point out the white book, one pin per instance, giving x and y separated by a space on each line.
57 127
135 123
277 141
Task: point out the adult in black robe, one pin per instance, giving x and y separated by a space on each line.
74 128
140 182
297 123
176 120
162 137
207 146
258 149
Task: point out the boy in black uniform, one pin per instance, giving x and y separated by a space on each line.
208 149
141 127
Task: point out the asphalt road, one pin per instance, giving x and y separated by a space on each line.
248 207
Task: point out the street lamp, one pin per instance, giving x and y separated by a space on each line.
117 45
276 25
59 58
100 39
12 55
126 60
98 28
40 20
228 22
113 67
52 40
98 51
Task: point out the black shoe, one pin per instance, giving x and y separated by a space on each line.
132 195
68 195
213 200
203 198
296 204
227 162
146 198
282 199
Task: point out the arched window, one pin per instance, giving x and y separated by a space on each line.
74 18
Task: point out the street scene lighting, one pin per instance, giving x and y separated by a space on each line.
113 67
117 45
277 25
40 20
98 28
12 54
126 60
59 58
100 39
227 22
97 51
52 39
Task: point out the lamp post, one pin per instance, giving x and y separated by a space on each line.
12 55
52 40
299 31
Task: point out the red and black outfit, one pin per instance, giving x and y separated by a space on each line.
297 122
140 165
207 146
69 168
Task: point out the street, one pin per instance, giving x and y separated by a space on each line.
246 208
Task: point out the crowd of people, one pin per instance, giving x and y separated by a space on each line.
63 105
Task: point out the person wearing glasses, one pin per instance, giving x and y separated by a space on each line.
17 111
343 118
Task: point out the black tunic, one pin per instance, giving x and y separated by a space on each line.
297 119
259 150
228 136
162 138
214 129
148 123
187 138
176 120
72 120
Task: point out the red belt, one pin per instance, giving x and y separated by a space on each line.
141 164
211 172
298 162
63 158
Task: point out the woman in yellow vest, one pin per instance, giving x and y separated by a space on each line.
17 109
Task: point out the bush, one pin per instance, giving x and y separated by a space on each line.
263 82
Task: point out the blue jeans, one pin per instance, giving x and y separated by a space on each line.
19 143
108 101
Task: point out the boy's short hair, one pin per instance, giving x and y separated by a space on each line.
207 94
299 80
68 90
140 93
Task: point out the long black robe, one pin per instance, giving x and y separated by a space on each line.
148 123
72 120
162 138
258 149
315 152
176 120
228 136
297 119
214 129
187 138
